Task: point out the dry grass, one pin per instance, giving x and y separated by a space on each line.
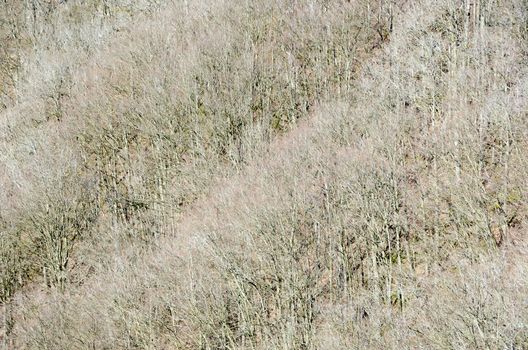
268 175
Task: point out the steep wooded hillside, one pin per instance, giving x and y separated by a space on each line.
264 175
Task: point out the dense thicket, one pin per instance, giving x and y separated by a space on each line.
263 175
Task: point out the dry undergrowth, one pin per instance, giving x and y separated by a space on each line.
266 175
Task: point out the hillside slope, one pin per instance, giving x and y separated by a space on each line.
327 175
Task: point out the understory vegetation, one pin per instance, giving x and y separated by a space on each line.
325 174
